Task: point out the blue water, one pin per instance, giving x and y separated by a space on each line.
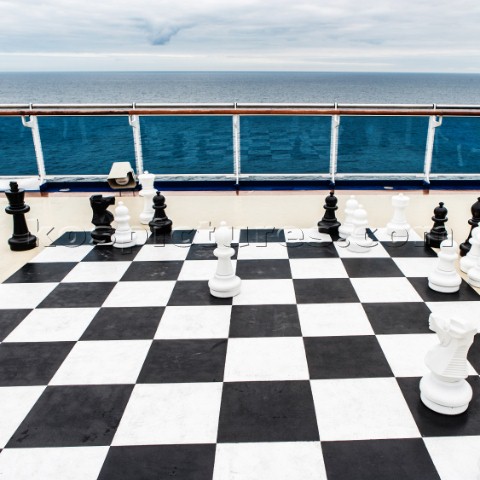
88 145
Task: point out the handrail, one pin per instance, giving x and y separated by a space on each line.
238 109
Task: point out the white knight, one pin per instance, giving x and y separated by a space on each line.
444 389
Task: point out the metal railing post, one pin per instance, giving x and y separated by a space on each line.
334 146
433 123
134 121
32 123
236 147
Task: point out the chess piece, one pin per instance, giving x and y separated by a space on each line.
346 229
102 219
124 236
21 239
329 224
444 389
225 283
438 233
474 221
359 241
473 275
398 226
160 222
473 254
445 278
147 192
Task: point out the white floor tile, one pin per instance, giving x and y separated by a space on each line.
396 238
333 319
457 309
68 463
262 359
376 251
266 292
262 251
24 295
199 269
269 461
207 235
173 413
362 409
103 362
156 253
317 268
15 403
455 457
140 294
97 272
195 322
60 253
384 290
416 267
53 325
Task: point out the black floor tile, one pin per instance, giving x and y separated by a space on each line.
184 361
346 357
31 363
194 293
432 424
204 251
133 323
71 416
390 459
10 319
408 249
312 250
177 237
371 267
466 292
325 290
41 272
150 271
257 269
78 295
474 354
263 236
264 321
398 318
74 239
267 412
157 462
108 254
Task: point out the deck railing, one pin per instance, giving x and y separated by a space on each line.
372 141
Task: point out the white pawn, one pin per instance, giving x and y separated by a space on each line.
398 226
225 283
124 237
346 229
472 258
359 241
147 192
445 277
444 389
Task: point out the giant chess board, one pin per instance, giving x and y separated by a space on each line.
119 364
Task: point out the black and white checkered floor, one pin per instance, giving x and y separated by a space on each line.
118 364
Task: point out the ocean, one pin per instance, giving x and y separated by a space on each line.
202 145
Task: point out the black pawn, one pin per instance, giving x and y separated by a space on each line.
329 224
474 221
102 219
21 239
160 223
438 233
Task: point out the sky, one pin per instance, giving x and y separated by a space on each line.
245 35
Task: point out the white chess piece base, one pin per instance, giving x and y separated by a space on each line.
448 398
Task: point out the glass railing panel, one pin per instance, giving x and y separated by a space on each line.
17 153
382 144
187 145
457 146
285 144
85 145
